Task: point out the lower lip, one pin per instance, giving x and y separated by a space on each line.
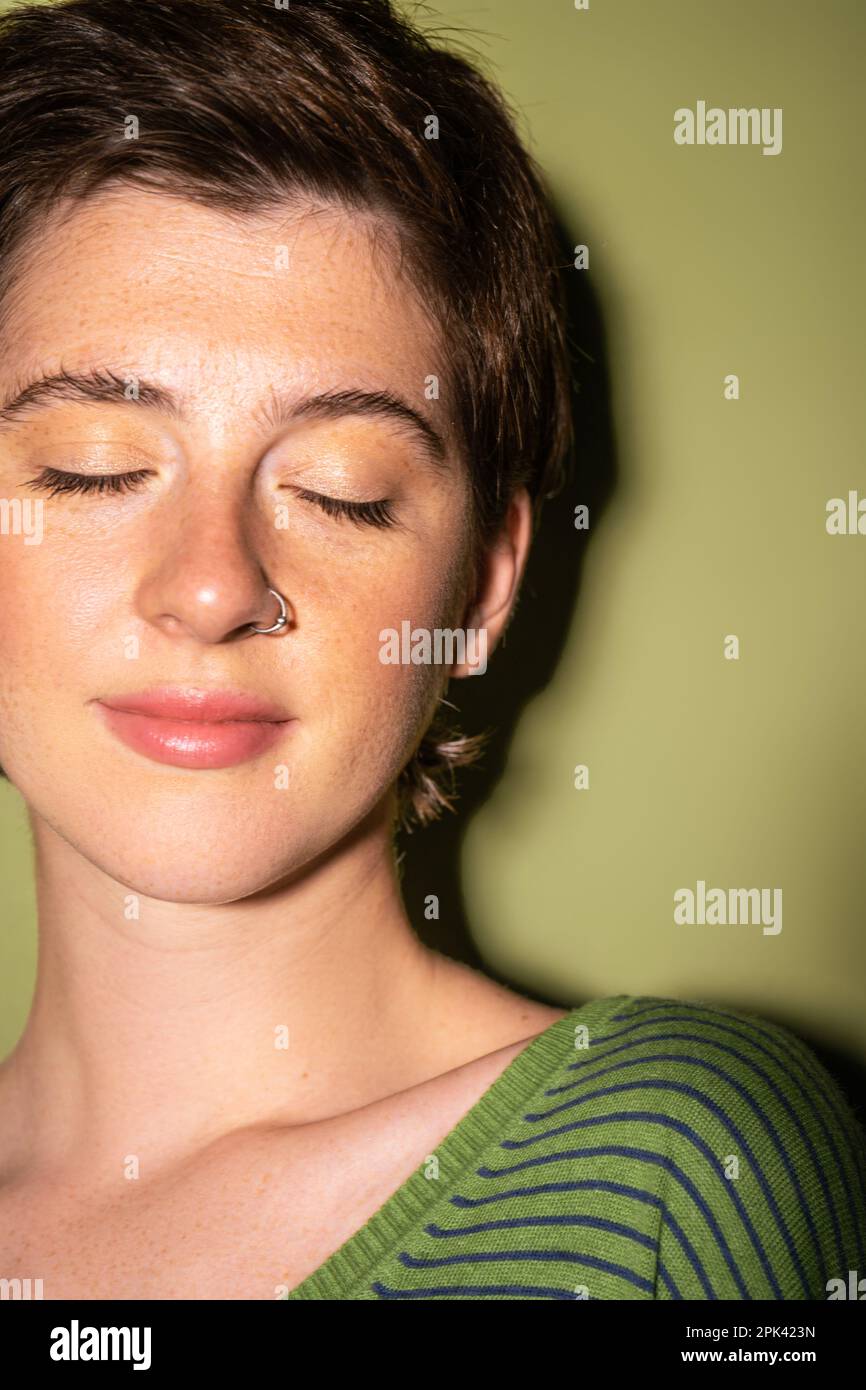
184 743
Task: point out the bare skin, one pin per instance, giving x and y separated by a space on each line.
155 1141
249 1216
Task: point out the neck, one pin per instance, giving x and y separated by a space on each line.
162 1027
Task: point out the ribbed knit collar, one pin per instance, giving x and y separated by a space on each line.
492 1115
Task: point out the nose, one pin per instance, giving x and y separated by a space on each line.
207 580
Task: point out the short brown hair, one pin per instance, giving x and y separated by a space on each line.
242 103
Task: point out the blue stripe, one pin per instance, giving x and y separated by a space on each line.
857 1139
477 1291
646 1156
672 1122
767 1123
600 1223
511 1223
495 1256
805 1060
599 1185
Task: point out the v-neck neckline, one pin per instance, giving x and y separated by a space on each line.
389 1225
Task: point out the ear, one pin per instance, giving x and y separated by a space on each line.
501 572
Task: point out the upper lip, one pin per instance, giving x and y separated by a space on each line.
197 705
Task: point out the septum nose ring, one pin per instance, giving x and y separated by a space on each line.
282 620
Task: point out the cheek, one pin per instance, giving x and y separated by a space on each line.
380 704
56 602
29 631
65 582
49 630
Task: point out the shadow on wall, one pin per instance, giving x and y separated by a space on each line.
525 662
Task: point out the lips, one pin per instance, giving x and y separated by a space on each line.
193 727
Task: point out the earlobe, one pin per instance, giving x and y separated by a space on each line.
501 573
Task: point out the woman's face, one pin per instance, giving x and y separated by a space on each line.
240 324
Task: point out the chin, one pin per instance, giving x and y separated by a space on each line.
207 841
210 869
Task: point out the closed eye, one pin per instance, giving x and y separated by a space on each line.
54 481
378 513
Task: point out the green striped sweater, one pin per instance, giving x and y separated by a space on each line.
638 1148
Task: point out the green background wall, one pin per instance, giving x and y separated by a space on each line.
706 261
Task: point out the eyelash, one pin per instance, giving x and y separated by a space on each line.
378 513
55 482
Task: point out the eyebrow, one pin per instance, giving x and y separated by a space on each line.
105 386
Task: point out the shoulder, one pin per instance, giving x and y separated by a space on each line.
764 1159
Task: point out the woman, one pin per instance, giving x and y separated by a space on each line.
284 385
